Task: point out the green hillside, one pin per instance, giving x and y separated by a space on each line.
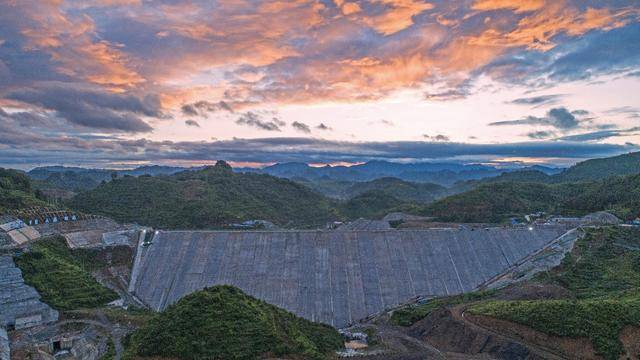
495 202
222 322
209 198
62 276
68 180
369 205
603 272
400 189
596 169
16 191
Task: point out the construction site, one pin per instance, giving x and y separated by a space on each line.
348 277
333 277
20 305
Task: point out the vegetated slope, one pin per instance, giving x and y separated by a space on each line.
589 170
440 173
16 191
603 272
370 205
596 169
400 189
68 180
335 189
62 276
222 322
209 198
517 176
495 202
79 179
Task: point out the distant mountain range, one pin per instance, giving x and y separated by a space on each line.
80 179
445 174
213 197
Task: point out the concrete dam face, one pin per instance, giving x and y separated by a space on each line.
334 277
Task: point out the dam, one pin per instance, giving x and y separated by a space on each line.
333 277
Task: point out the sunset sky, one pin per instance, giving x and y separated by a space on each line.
121 83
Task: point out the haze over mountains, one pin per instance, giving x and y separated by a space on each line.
217 196
445 174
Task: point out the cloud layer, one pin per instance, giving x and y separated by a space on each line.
99 74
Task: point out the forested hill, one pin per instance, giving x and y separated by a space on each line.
16 191
495 202
398 188
596 169
588 170
222 322
208 198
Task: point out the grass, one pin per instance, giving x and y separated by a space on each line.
410 315
222 322
62 277
599 320
603 272
605 262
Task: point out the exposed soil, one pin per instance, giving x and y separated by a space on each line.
529 291
630 338
572 348
446 332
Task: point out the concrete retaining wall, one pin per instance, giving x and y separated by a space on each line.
335 277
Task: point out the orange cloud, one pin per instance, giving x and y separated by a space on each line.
396 16
70 44
350 8
517 6
538 30
299 50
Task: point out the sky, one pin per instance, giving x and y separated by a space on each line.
123 83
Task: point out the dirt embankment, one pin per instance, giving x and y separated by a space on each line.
630 338
532 291
570 348
442 330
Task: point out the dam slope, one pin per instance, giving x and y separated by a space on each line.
334 277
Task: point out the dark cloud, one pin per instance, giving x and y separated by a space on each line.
538 100
192 123
36 149
93 108
302 127
203 108
580 112
438 137
598 53
586 57
448 95
601 135
253 119
323 127
541 134
560 118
